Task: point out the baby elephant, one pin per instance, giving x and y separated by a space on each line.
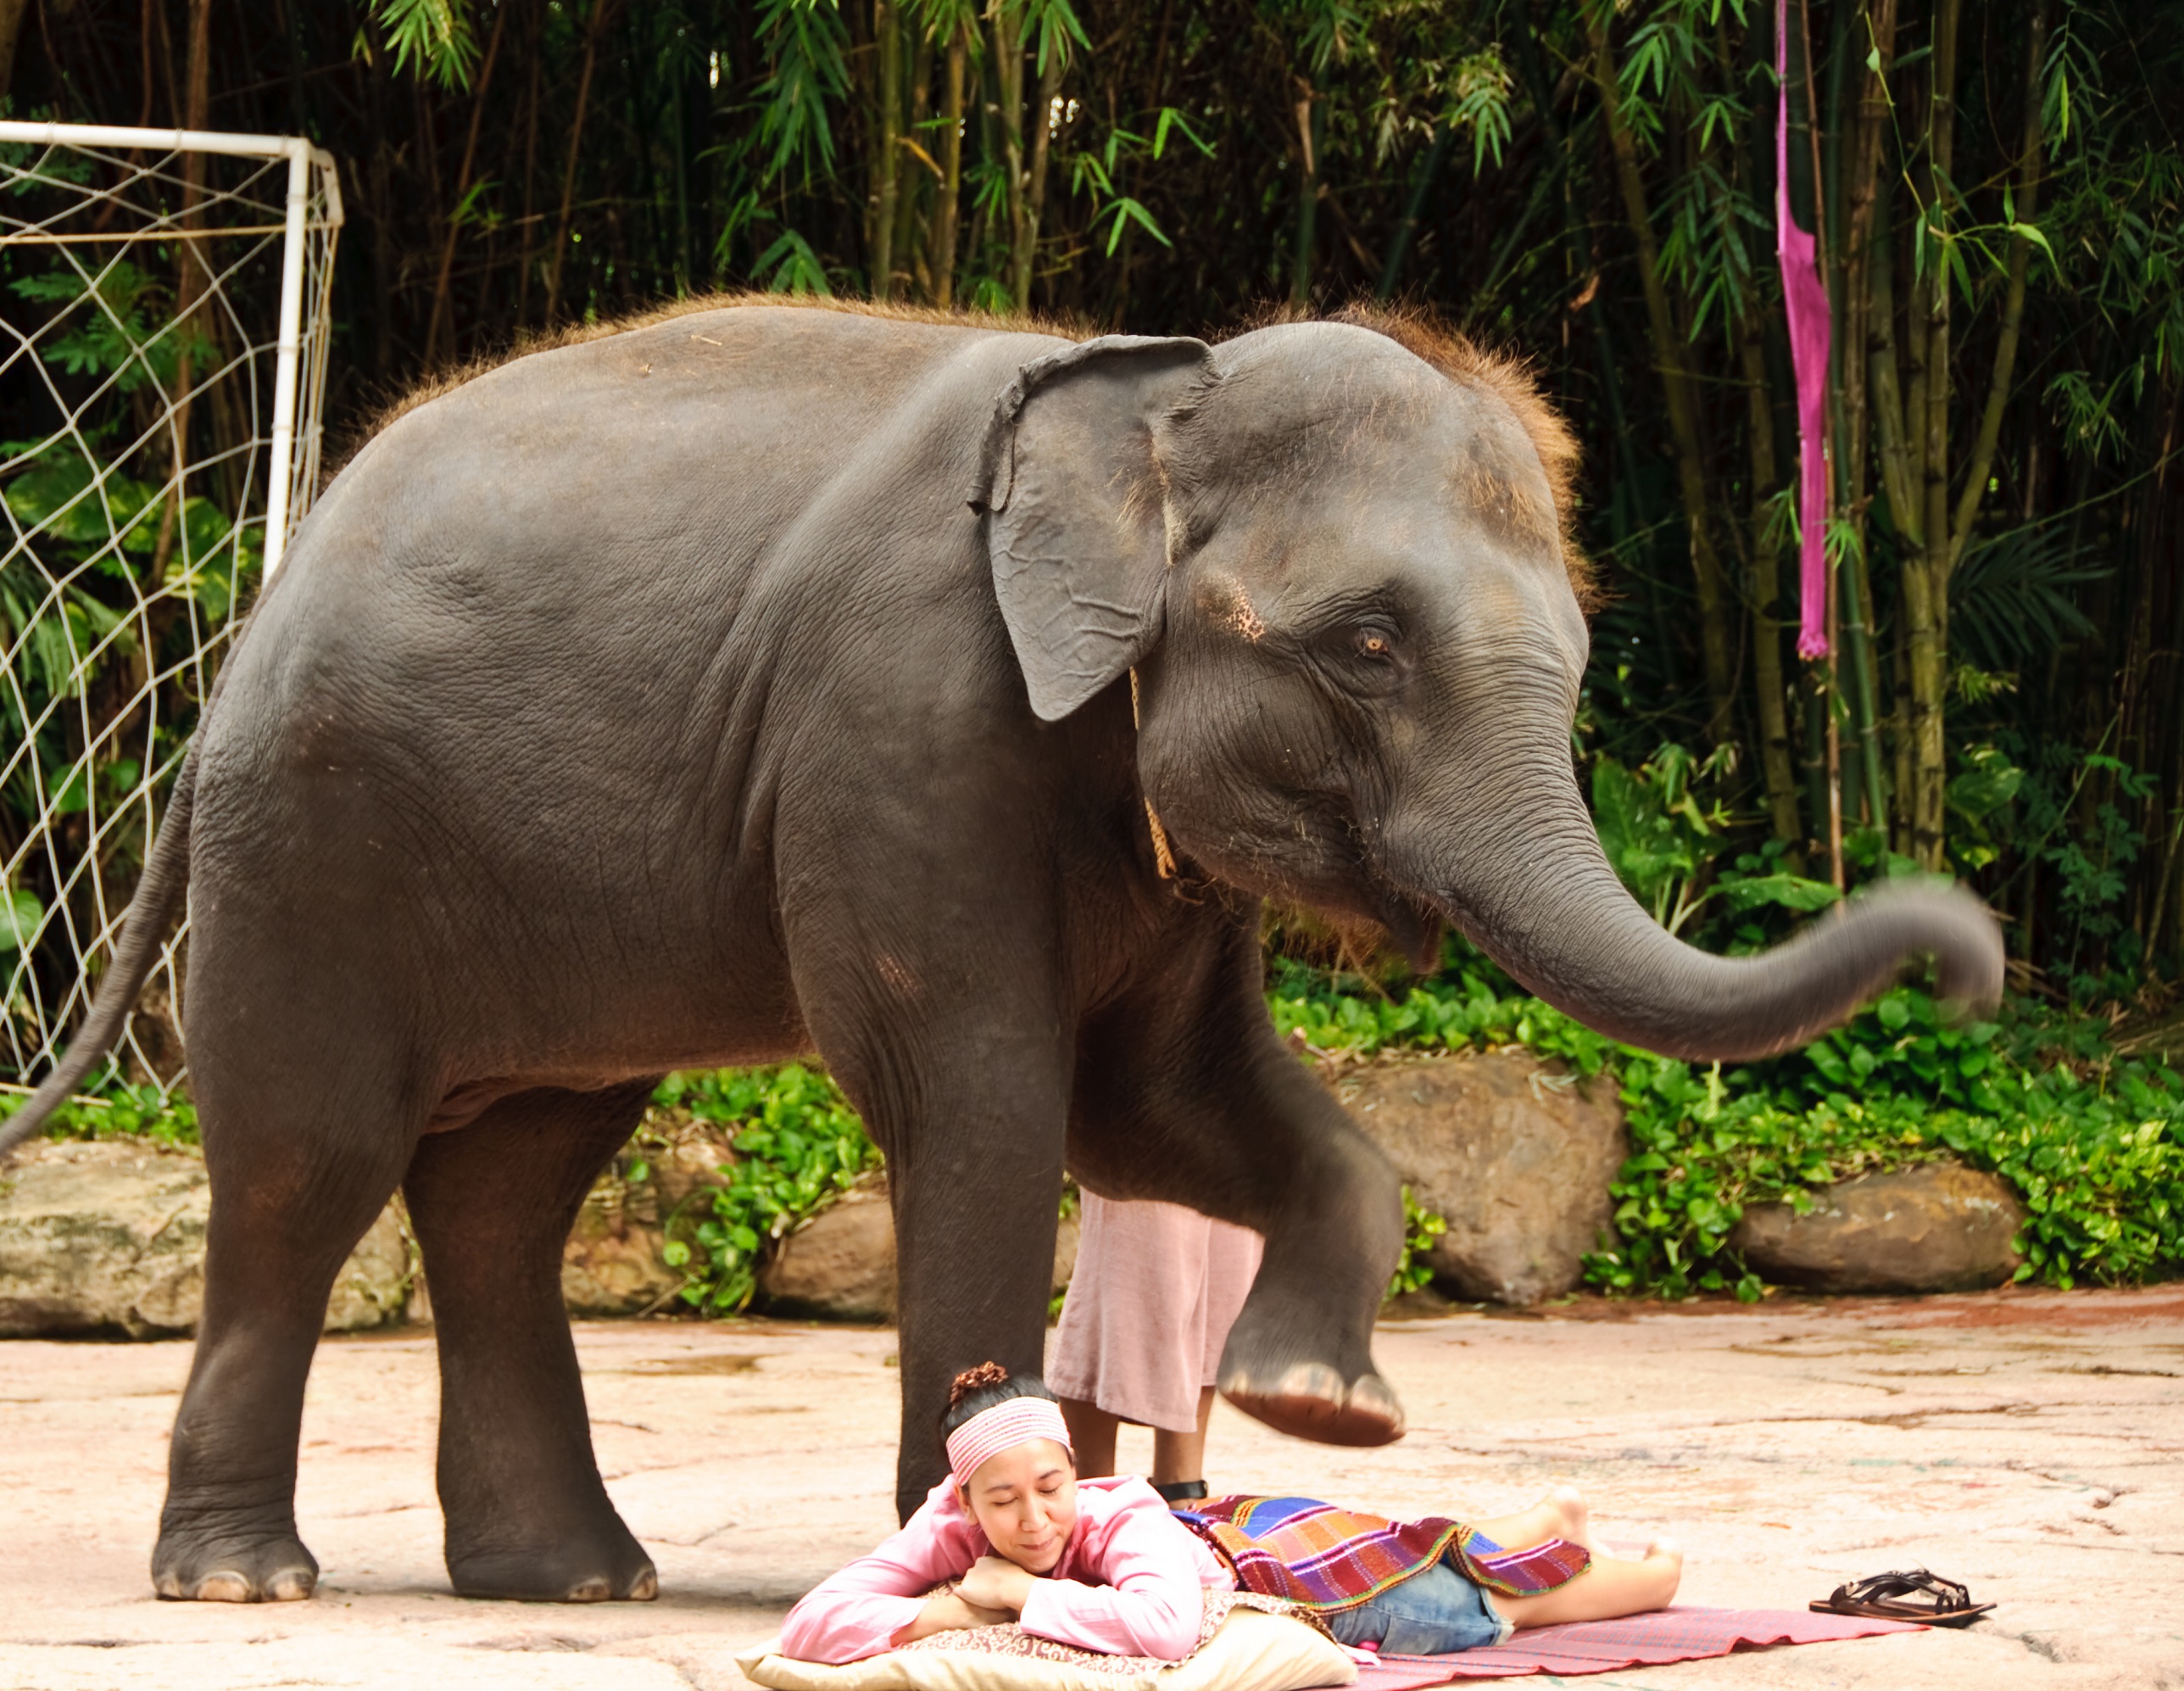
939 695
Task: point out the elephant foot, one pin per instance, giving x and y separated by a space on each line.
610 1567
275 1570
1309 1400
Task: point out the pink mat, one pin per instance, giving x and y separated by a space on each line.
1599 1646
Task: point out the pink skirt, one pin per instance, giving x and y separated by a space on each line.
1156 1289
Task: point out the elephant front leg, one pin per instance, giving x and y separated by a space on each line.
1185 1094
971 1121
1300 1357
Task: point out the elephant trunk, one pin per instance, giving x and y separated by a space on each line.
1518 868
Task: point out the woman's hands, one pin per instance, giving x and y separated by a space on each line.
946 1612
994 1582
992 1593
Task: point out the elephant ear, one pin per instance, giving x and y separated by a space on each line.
1075 520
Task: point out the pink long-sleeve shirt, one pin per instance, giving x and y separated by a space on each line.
1128 1582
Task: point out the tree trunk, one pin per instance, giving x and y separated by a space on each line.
909 253
192 262
2026 206
1042 139
1680 390
440 319
12 14
887 150
1008 77
951 173
526 247
593 28
1926 578
1307 217
1856 309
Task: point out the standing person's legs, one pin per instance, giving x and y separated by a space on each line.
1129 1342
1232 1260
1179 1458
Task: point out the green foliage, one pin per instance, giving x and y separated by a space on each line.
2094 1144
121 1111
798 1146
435 35
1469 1008
1668 845
1421 1227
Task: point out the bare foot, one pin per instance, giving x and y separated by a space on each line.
1568 1503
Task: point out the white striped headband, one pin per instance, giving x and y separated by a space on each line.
1017 1421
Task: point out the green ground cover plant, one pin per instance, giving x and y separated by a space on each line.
798 1146
120 1110
2093 1143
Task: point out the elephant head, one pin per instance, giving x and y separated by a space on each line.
1342 572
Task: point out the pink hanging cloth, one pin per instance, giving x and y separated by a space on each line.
1805 297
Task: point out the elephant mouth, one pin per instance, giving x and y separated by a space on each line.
1414 926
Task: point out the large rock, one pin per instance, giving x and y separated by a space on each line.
109 1236
841 1261
1516 1155
1939 1227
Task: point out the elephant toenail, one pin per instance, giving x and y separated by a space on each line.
224 1587
1373 1395
1314 1380
291 1585
595 1590
645 1586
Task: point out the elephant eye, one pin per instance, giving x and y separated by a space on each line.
1374 643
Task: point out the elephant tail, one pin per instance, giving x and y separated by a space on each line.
159 892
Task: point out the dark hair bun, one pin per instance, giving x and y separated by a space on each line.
976 1379
976 1390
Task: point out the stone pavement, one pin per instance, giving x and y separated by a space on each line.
2031 1444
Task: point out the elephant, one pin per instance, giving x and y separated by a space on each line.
943 696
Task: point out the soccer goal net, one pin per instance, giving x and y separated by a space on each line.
164 328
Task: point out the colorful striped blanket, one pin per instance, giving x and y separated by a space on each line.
1331 1559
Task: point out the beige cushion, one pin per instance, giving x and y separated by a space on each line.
1249 1650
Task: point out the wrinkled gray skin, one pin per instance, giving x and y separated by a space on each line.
756 682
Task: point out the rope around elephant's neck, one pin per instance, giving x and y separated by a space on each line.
1163 859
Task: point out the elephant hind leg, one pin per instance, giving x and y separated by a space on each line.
527 1514
298 1174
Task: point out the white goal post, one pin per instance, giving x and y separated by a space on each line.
164 326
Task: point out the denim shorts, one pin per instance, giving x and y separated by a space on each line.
1436 1611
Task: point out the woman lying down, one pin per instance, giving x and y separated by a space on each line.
1103 1564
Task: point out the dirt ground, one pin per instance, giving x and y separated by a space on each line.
2030 1445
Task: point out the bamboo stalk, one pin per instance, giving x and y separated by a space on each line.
1008 76
909 195
593 28
530 169
440 307
2027 203
1855 308
1928 605
886 152
1676 380
1042 143
1307 216
1770 681
950 191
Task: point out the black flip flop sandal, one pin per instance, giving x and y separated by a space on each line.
1917 1595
